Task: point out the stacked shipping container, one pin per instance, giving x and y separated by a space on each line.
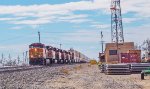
133 56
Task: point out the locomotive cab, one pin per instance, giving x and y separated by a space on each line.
37 54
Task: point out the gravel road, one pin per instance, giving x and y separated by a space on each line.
78 76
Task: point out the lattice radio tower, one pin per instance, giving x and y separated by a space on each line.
116 22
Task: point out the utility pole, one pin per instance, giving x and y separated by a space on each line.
23 57
39 37
10 61
60 45
9 57
18 59
102 42
1 61
26 57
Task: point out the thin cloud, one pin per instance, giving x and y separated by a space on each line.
16 28
101 26
130 20
38 12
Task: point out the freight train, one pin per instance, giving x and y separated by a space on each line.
40 54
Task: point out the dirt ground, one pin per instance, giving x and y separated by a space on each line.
75 76
145 83
89 77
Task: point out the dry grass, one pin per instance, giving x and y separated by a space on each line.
65 71
77 67
80 67
89 65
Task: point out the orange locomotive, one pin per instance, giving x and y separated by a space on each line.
39 54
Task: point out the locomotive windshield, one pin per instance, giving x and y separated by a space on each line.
37 45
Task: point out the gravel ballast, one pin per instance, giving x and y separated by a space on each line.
77 76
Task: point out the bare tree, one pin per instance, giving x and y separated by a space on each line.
146 45
9 61
138 47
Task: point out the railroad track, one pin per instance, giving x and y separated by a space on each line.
18 68
24 68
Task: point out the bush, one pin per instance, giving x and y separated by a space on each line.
65 71
93 62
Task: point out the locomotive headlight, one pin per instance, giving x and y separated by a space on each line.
31 56
35 50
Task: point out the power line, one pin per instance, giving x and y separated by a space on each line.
64 32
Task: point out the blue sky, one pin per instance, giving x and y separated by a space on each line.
73 23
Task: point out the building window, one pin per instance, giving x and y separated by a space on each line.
112 52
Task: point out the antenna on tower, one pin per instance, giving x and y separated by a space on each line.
116 22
